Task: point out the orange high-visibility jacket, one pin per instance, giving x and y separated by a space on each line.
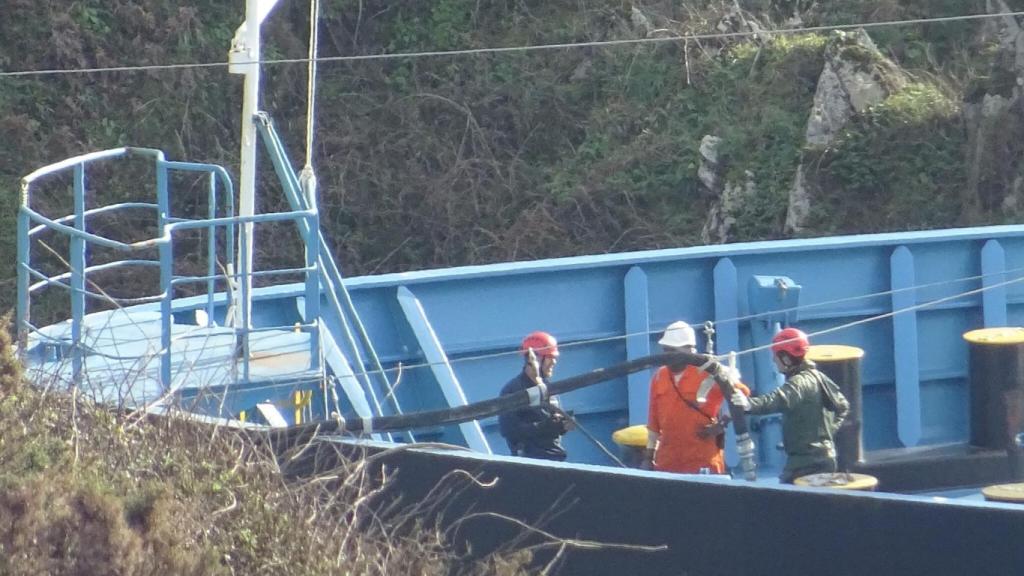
680 448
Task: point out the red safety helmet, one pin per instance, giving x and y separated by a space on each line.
791 341
543 344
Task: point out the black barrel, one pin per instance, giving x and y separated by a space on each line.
842 365
996 379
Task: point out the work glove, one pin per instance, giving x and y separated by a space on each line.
555 425
715 428
740 400
568 424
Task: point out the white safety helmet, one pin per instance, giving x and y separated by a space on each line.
677 335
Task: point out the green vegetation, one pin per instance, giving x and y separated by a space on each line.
900 166
445 161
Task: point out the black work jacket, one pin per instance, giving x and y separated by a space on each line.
530 431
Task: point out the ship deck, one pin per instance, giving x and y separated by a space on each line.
121 357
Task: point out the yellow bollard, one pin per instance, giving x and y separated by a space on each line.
839 481
633 441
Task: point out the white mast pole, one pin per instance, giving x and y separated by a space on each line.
247 178
244 59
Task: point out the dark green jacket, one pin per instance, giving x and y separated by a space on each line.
812 409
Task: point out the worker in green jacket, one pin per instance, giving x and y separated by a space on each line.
811 404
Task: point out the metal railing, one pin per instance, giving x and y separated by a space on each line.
75 227
337 295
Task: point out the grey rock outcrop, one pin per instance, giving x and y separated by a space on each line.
722 215
727 198
845 88
994 121
855 77
709 171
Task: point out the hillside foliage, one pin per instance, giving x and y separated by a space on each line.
451 160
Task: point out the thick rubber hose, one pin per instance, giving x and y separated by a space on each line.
744 443
521 399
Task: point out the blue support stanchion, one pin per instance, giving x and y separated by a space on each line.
993 274
77 247
638 341
440 366
24 263
313 282
166 254
211 247
904 336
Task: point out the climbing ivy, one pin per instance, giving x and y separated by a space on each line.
900 166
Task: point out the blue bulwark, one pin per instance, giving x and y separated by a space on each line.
638 341
904 337
439 365
993 279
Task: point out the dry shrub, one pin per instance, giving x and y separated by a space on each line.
57 524
11 372
49 525
84 490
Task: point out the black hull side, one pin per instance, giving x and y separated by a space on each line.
710 527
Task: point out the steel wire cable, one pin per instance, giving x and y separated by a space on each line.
584 342
525 48
588 341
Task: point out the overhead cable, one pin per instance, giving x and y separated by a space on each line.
533 48
867 320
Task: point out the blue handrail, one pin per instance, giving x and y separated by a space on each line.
335 290
31 223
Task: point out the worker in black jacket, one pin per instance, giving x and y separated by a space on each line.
535 431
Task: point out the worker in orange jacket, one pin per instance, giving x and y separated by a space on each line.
685 432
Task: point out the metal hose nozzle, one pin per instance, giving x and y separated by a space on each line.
748 456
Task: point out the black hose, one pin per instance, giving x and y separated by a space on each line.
744 443
521 399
